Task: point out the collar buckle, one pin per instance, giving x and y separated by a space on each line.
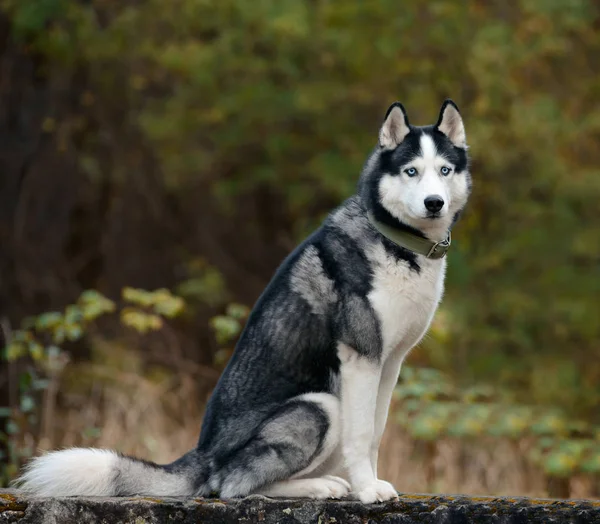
444 245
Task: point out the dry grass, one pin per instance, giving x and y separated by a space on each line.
158 418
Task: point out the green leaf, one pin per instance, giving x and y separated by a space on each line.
426 426
225 328
510 421
49 320
36 350
560 463
221 357
549 424
12 428
32 17
410 390
73 332
22 335
429 375
27 403
73 314
472 422
478 394
209 287
93 304
140 321
90 296
237 311
15 350
169 307
137 296
59 335
591 463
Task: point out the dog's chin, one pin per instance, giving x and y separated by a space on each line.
433 225
429 217
419 219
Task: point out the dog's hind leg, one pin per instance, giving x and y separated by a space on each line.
315 488
293 442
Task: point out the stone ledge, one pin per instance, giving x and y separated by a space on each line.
407 509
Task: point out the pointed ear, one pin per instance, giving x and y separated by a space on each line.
451 124
395 127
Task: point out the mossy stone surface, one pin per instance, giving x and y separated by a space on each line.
407 509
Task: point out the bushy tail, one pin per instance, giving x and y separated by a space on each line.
104 473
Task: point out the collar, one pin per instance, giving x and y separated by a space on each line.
412 242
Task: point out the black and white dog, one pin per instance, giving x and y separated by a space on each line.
302 405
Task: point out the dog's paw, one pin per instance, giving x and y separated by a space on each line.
340 480
378 491
328 488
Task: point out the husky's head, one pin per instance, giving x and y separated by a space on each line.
418 177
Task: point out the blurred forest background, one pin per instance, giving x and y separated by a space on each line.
159 159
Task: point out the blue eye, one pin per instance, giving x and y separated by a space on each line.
445 171
411 171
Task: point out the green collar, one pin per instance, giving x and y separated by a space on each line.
422 246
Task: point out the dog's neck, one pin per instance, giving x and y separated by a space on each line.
427 243
436 230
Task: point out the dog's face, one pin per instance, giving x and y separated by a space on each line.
419 175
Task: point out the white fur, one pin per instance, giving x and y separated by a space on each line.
452 126
309 280
331 405
394 129
405 302
389 378
92 472
404 196
360 381
139 478
77 471
316 488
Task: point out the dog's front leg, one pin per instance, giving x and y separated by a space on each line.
360 378
387 383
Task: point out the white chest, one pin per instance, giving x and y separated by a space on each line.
404 300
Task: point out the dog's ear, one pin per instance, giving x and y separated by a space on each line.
395 127
451 124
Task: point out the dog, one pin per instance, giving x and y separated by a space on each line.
302 405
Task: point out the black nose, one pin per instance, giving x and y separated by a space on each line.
434 203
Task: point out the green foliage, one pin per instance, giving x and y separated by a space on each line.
42 339
227 327
300 90
430 407
32 17
149 307
205 284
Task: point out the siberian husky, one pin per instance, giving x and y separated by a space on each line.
302 405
